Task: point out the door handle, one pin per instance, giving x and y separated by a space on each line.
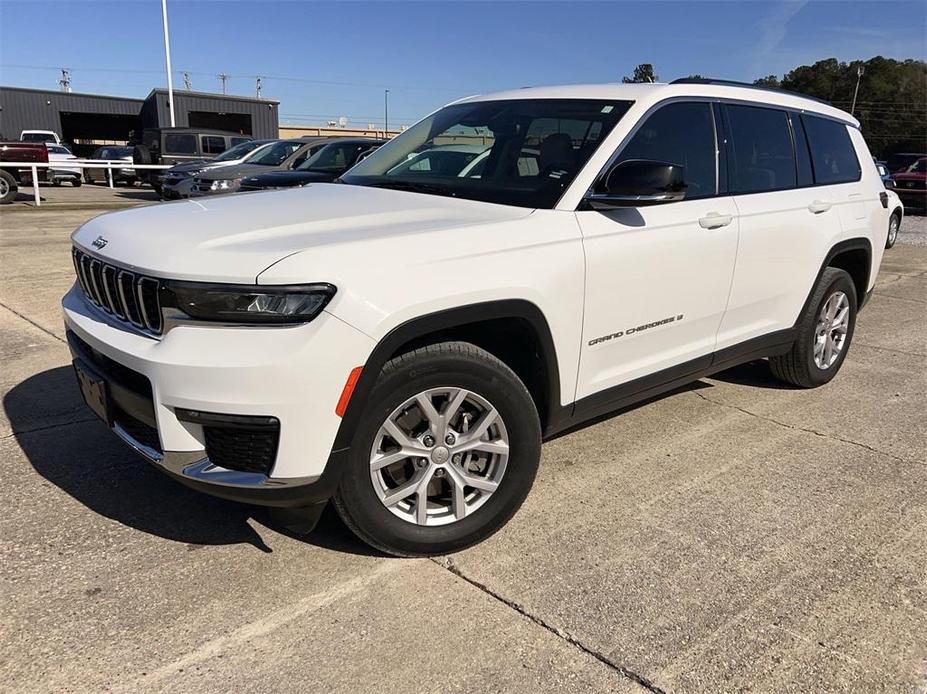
713 220
819 206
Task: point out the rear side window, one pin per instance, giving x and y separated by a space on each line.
213 144
684 134
175 143
761 146
832 152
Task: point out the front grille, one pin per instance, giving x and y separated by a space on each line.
244 450
126 295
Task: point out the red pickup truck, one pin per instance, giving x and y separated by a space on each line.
11 177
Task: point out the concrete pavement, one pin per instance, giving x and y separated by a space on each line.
732 535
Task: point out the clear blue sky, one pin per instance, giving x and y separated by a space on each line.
429 53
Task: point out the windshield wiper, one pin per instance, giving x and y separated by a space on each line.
414 187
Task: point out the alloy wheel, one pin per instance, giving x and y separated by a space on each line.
439 456
892 230
831 332
4 188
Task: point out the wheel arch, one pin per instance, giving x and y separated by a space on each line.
855 257
483 324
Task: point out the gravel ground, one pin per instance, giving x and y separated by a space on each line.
913 230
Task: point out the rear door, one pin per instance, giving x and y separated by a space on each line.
786 222
657 277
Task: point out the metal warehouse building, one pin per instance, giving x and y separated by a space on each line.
85 119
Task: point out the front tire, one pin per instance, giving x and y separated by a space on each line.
825 330
445 453
8 188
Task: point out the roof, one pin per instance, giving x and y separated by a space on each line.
57 92
651 93
209 95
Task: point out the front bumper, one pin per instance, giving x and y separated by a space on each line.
294 374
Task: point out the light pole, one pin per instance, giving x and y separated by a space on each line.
385 112
859 74
167 59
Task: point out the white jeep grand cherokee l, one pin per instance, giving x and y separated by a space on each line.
400 342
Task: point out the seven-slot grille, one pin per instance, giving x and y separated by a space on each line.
127 296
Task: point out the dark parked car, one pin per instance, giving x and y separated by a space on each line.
911 185
897 163
177 182
111 153
177 146
283 155
327 164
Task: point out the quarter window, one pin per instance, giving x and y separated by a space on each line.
684 134
213 144
762 155
832 151
175 143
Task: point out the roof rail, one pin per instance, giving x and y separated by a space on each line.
746 85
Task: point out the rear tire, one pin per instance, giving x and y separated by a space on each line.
894 224
8 188
464 384
75 181
825 330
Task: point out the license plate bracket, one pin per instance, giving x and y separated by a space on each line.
94 390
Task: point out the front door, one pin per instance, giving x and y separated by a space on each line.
658 277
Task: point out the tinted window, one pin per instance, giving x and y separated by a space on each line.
832 151
276 153
176 143
213 144
239 140
761 145
682 134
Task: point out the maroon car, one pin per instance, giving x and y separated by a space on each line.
911 184
13 177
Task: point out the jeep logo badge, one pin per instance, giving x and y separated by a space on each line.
99 242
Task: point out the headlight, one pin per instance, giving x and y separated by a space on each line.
249 303
225 184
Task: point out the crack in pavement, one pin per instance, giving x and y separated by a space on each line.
889 349
785 425
46 427
448 564
33 323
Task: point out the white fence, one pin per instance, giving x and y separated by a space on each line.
108 164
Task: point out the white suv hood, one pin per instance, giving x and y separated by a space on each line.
234 238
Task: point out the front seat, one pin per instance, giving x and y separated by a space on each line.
556 155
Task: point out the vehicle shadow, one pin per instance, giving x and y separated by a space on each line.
83 459
755 374
137 194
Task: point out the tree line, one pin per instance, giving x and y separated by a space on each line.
891 104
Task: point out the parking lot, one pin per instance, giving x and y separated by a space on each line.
735 534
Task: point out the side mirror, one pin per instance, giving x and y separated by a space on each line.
637 182
890 183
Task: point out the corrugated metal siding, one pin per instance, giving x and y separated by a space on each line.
32 109
264 114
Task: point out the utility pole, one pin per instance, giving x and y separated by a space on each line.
167 60
257 87
222 78
65 80
188 85
385 112
859 75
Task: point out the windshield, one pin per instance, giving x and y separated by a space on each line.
334 158
518 152
58 149
238 151
920 166
276 153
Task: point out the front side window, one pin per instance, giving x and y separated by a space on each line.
681 133
213 144
761 146
522 152
176 143
333 158
832 153
276 153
